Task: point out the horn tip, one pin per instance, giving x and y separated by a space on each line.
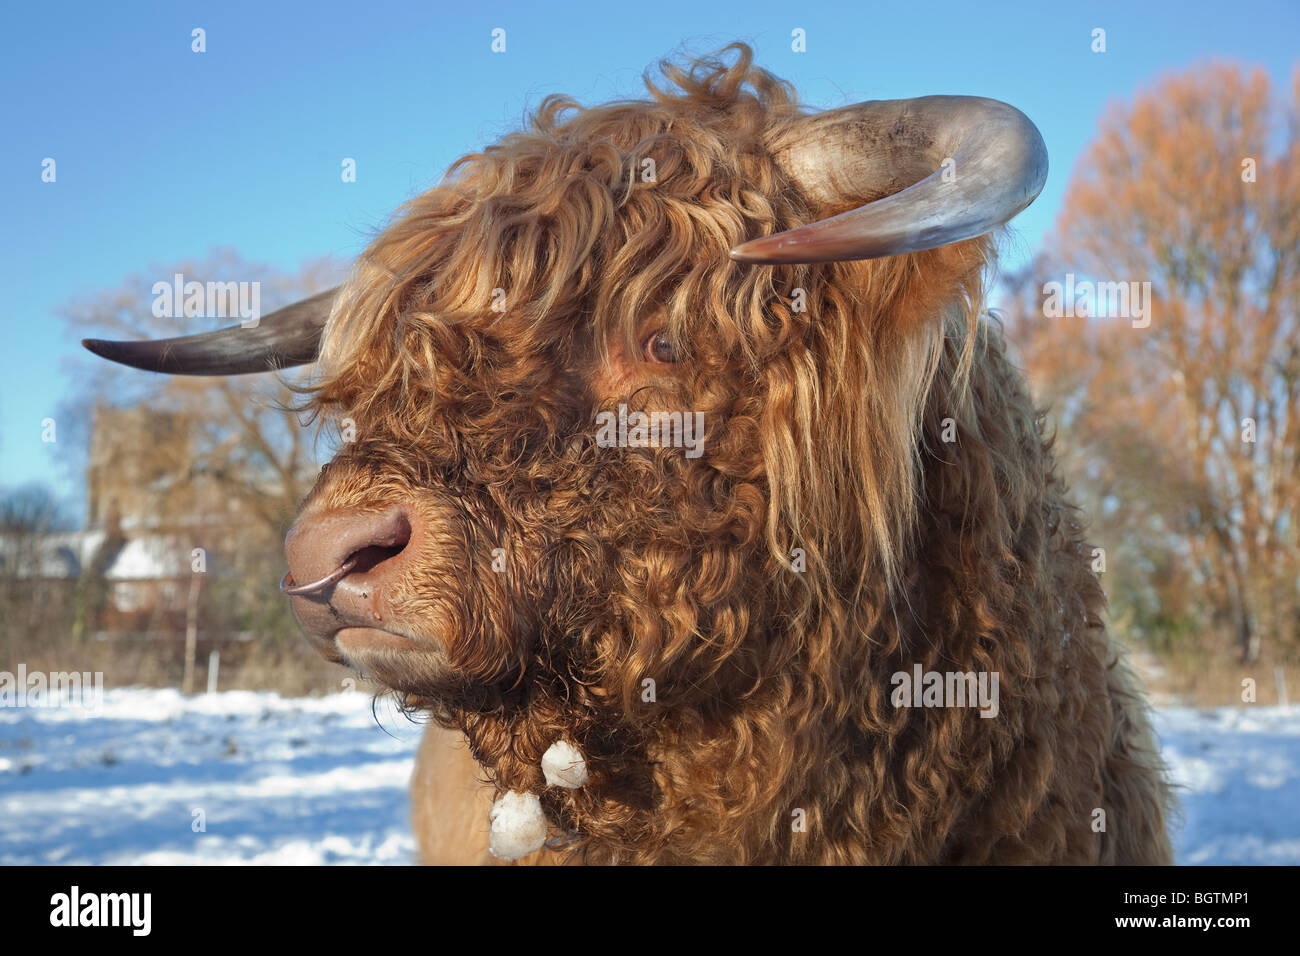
123 353
789 249
758 252
103 348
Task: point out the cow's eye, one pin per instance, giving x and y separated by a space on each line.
660 349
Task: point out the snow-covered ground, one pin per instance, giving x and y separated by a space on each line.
243 777
276 780
1238 773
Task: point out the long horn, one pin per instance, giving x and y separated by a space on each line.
949 168
287 337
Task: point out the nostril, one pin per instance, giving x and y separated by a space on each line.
326 547
394 542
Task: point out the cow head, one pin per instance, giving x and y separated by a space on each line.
773 289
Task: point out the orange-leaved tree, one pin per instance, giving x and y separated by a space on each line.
1162 325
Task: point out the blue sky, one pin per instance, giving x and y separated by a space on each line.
164 154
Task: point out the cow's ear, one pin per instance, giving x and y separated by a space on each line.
287 337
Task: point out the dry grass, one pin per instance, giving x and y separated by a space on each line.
36 629
128 661
1205 679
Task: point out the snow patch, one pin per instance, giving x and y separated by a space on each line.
244 778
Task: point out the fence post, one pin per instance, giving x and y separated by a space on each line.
191 633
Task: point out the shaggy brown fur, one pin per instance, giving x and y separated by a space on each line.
827 538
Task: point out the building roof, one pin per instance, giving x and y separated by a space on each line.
67 554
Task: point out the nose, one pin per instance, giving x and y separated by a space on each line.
342 562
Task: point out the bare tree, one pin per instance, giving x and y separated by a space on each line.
221 462
29 599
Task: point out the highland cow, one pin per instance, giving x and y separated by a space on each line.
703 650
